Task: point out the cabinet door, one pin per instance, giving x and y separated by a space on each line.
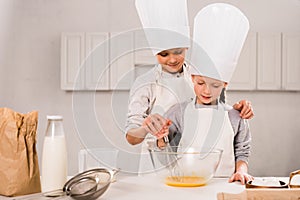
121 60
143 54
244 77
72 55
291 61
269 61
97 61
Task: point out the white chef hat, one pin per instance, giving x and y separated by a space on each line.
220 31
165 23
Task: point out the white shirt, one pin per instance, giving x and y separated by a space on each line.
142 97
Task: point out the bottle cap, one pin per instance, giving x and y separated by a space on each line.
54 117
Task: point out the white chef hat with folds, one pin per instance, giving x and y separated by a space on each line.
220 31
165 23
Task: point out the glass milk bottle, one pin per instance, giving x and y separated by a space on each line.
54 159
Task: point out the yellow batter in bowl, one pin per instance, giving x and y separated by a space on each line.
186 181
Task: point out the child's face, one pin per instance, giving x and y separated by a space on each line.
207 89
172 60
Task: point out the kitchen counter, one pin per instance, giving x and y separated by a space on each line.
150 187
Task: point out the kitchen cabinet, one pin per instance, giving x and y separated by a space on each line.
81 61
143 55
95 61
269 61
244 77
110 61
291 61
122 72
72 55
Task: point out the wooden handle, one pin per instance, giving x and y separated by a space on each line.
228 196
271 194
262 194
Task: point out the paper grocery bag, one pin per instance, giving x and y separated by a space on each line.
19 169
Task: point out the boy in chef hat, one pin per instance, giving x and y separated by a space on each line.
165 24
219 34
166 27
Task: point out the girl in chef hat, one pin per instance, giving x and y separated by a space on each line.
207 122
165 24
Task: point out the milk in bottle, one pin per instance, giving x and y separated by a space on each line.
54 159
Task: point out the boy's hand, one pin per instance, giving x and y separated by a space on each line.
156 125
245 108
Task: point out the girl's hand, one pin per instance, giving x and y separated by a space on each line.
241 176
156 125
161 143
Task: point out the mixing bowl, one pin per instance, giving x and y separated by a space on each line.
185 167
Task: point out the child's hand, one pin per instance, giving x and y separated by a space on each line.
156 125
165 130
240 176
161 143
245 108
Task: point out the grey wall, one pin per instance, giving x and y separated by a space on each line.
30 73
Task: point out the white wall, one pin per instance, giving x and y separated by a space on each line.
275 131
30 72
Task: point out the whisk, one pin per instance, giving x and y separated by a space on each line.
172 164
